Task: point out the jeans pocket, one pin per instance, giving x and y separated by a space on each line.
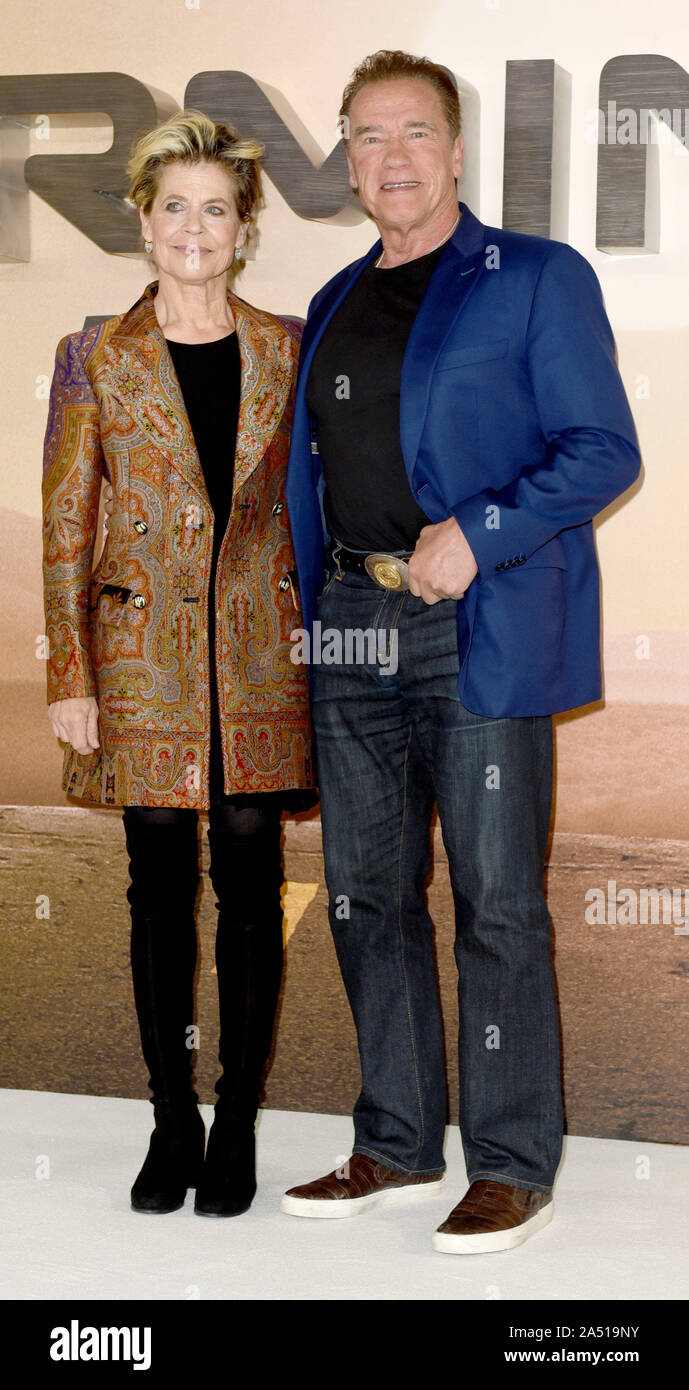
327 585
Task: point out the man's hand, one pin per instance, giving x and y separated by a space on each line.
443 564
76 722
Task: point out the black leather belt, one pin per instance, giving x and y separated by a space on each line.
387 570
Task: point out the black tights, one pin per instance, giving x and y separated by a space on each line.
246 874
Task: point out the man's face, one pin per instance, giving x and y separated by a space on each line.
402 158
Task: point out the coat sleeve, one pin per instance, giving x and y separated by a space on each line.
73 466
591 451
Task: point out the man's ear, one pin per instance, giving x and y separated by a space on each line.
458 156
352 178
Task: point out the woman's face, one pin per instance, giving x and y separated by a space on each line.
194 224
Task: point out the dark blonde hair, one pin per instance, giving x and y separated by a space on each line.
386 65
190 137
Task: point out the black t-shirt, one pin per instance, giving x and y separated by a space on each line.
353 392
209 375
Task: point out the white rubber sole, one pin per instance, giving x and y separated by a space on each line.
333 1208
494 1240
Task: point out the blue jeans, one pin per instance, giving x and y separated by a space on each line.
388 746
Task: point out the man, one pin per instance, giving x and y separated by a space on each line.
458 408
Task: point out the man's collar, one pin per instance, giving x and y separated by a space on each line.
467 239
469 234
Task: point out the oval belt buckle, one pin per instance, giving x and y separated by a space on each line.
389 571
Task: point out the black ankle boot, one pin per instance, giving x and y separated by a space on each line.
227 1186
173 1163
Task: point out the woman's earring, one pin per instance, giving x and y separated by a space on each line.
238 253
148 247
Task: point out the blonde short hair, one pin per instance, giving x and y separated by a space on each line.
190 137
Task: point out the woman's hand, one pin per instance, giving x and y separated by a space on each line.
108 504
76 722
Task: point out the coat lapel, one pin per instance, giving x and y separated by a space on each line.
141 375
319 319
268 372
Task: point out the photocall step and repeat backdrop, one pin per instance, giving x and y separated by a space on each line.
575 122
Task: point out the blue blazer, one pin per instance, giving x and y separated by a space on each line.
514 420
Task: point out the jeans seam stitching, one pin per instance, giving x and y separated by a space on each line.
390 1163
510 1182
398 610
401 936
376 620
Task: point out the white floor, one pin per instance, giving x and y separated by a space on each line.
620 1229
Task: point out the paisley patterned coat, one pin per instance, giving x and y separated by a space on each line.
133 633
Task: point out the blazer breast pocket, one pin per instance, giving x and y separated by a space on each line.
473 352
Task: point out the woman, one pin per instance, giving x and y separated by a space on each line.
169 672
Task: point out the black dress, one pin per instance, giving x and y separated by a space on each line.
208 373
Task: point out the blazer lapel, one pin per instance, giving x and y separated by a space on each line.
322 314
454 279
302 446
451 284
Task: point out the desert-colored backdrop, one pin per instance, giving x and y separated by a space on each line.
622 800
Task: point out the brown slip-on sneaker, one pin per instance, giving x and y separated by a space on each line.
493 1216
359 1183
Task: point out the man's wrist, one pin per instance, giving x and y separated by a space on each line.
471 520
